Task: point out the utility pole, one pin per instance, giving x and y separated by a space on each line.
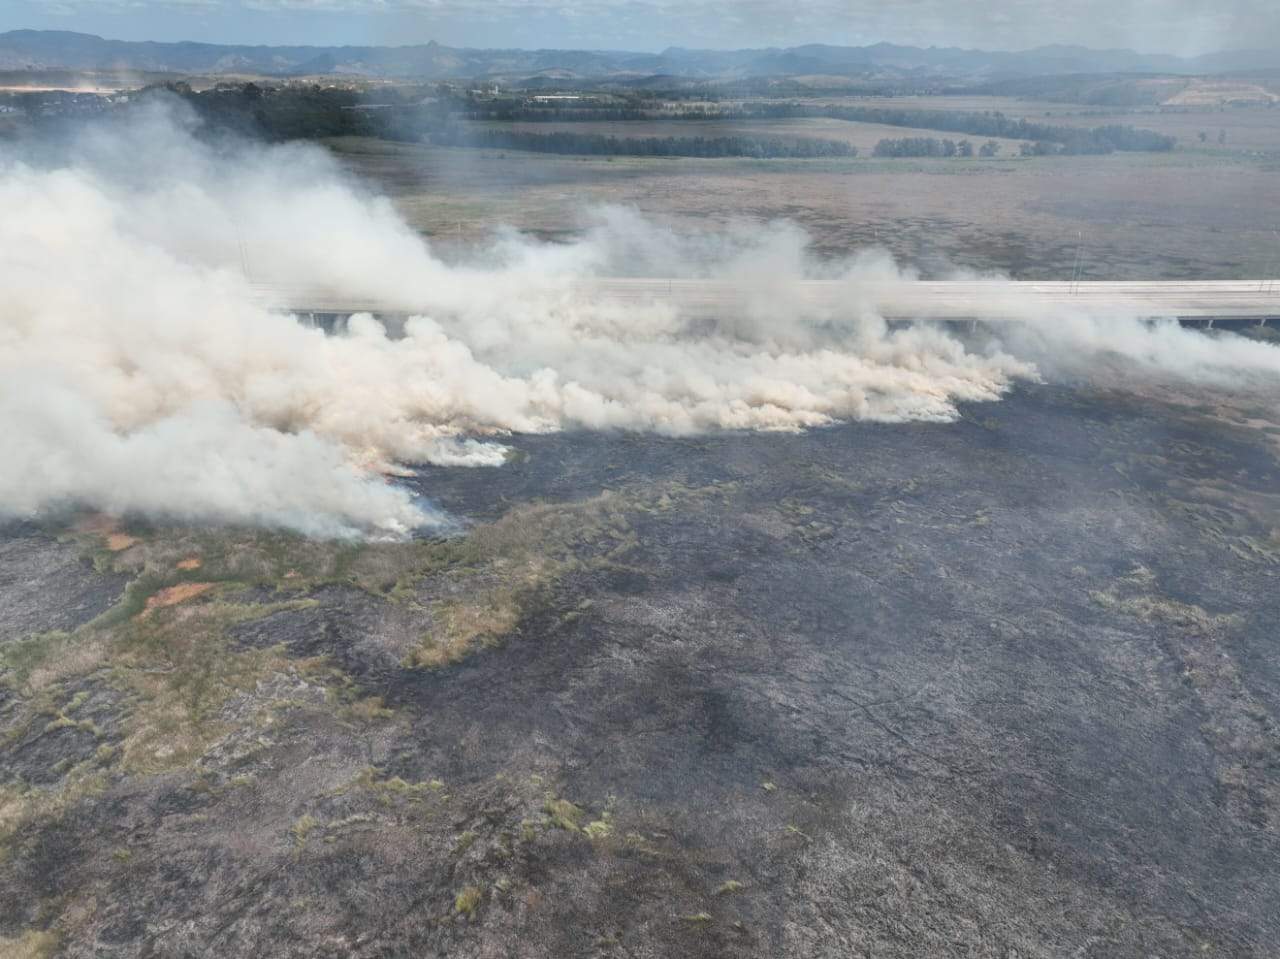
1078 267
1270 278
244 257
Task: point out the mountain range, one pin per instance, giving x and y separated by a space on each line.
64 50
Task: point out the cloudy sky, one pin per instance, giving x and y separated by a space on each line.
1152 26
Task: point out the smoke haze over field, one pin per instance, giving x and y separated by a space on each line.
140 372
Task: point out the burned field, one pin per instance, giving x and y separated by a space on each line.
1000 687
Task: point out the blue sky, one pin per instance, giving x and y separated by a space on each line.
1170 26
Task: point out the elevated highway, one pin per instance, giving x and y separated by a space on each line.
1193 302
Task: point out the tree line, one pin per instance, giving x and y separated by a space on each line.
932 147
518 112
278 113
291 112
1103 139
1070 139
595 144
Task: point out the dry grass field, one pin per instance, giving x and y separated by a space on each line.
1214 92
1251 127
1181 215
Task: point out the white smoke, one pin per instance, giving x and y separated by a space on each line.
1074 341
203 461
140 371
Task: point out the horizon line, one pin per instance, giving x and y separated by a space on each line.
658 52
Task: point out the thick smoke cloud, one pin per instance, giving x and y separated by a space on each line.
141 371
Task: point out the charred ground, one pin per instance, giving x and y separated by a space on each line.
1002 687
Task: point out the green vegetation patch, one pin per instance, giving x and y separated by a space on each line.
468 900
564 815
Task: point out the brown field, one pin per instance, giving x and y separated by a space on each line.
1250 128
1214 92
1179 215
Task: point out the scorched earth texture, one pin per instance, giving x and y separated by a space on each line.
1005 687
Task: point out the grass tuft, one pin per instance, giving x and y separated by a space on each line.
564 815
467 902
303 828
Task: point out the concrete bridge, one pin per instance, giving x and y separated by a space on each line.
1193 302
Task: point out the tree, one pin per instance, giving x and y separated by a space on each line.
600 145
989 149
964 148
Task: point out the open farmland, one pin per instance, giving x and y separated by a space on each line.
1248 129
1173 216
1252 127
1212 92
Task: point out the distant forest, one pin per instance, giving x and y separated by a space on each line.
1070 139
313 112
1104 139
931 147
595 144
282 113
441 115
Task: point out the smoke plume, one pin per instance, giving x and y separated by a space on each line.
142 371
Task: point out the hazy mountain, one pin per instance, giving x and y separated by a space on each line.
53 49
